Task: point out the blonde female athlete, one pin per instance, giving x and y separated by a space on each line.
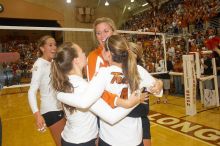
102 29
81 127
50 114
142 110
121 77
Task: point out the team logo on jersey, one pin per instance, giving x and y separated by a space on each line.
118 78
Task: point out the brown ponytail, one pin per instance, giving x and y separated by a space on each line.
60 67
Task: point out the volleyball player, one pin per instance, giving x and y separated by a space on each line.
142 110
50 114
81 127
122 71
102 29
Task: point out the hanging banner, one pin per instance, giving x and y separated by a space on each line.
9 57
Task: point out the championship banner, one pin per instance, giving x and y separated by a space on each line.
190 84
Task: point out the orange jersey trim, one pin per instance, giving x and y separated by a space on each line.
92 60
109 98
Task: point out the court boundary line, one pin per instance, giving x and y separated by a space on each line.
194 138
20 117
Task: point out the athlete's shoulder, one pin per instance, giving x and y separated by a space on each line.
40 61
103 71
141 69
95 53
78 82
36 65
39 64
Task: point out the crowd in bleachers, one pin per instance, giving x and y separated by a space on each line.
28 54
188 17
175 16
186 24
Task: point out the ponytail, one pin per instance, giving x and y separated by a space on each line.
60 67
60 81
136 49
132 73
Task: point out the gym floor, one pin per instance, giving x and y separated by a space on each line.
170 126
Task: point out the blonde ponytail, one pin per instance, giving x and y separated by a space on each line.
121 53
138 50
133 75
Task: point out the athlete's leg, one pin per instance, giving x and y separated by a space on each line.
146 131
147 142
55 121
56 130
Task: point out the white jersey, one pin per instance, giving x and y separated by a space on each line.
41 80
81 125
127 131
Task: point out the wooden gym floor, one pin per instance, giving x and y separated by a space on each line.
169 124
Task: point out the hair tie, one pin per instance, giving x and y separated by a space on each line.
128 48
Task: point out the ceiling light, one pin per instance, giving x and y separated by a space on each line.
129 8
144 4
106 3
68 1
132 1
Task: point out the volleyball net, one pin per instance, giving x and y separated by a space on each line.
23 40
